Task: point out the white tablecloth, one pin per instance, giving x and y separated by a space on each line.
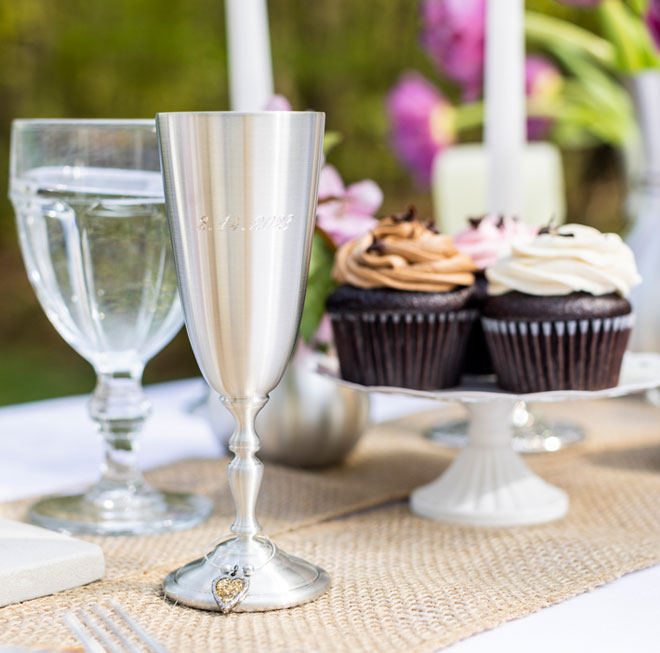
51 446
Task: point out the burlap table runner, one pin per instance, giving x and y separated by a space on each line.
398 581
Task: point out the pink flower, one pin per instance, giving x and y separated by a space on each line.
653 21
278 103
453 36
323 335
422 121
346 213
542 85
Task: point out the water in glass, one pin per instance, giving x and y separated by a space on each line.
96 248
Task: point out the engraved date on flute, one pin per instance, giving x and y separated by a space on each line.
235 223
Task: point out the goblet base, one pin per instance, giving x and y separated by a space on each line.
277 580
121 512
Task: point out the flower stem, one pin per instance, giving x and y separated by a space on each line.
554 33
469 116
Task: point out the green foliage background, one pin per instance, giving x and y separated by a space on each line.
133 58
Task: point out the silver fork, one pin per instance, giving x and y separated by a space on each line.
101 633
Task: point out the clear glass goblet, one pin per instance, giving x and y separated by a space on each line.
88 198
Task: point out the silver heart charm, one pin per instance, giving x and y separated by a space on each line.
230 589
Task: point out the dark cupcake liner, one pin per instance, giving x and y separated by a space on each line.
477 357
424 351
537 356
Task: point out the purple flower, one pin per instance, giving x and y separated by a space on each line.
542 85
422 121
278 103
453 36
653 21
346 213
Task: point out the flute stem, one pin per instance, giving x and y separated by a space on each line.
245 471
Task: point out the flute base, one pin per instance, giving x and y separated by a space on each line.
277 580
121 511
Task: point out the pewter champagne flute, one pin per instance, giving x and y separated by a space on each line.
241 193
90 211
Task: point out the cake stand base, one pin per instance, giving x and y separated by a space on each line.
489 484
277 579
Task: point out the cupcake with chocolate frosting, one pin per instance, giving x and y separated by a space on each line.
486 240
557 317
400 316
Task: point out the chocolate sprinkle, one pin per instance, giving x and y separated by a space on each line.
377 247
554 231
431 226
408 216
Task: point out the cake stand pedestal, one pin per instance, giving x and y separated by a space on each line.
531 433
488 484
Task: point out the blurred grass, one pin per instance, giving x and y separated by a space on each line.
133 58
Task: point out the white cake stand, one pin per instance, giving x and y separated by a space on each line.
488 484
531 434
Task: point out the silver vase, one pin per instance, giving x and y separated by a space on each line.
309 422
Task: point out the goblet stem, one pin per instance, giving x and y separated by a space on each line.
120 407
245 471
122 502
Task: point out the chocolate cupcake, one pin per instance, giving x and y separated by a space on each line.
400 316
486 240
557 317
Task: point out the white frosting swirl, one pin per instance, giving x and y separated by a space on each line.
581 259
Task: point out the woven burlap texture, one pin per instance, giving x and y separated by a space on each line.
399 582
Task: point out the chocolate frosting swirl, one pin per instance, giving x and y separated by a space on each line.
403 254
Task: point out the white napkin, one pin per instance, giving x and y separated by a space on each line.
36 562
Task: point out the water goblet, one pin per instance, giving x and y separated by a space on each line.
241 192
93 232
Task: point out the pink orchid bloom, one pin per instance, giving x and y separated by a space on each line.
323 335
653 21
346 213
423 123
542 85
453 36
278 103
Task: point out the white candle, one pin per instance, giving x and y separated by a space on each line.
505 104
249 62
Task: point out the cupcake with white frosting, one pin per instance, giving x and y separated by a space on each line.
557 315
400 316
